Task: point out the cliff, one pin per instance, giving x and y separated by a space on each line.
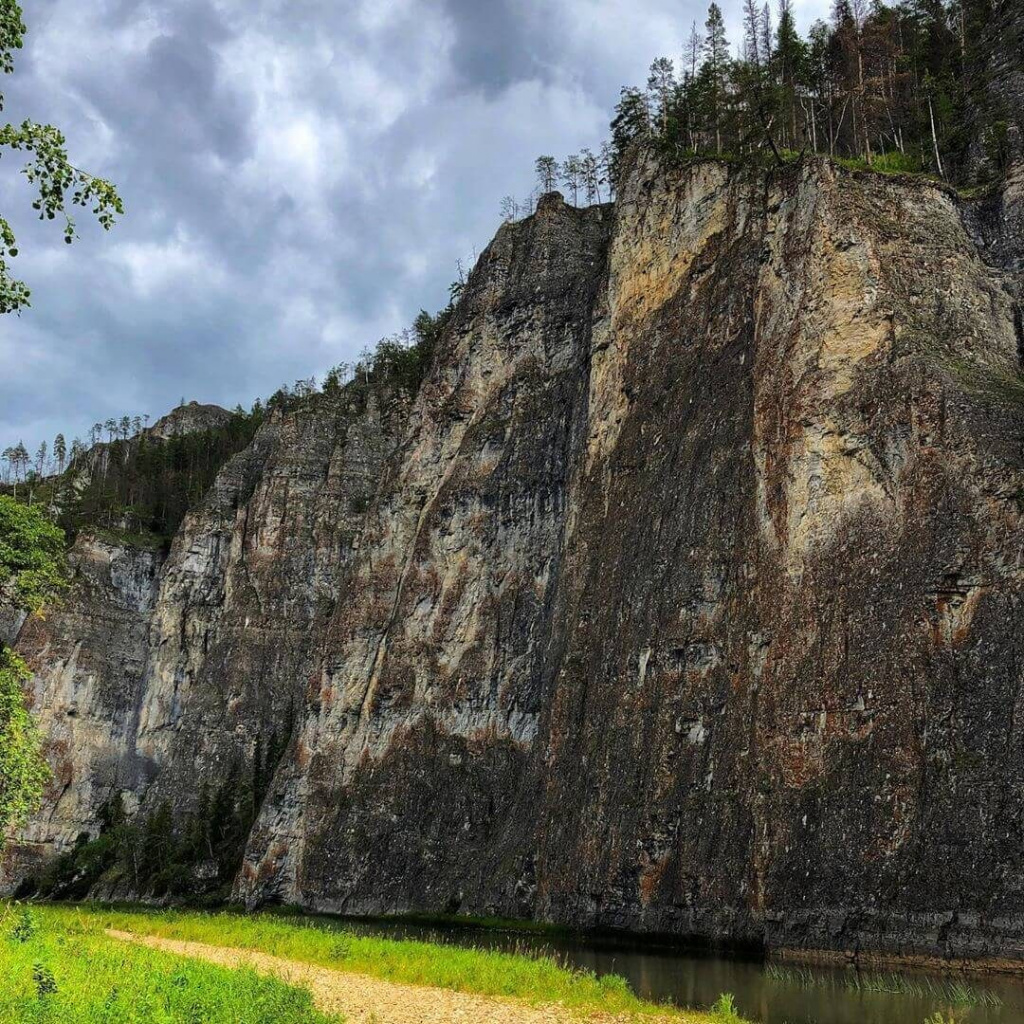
683 598
189 418
996 75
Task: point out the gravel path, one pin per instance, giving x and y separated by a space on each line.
366 1000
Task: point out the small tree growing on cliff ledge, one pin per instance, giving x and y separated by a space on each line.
547 169
59 183
32 573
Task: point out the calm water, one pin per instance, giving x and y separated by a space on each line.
800 996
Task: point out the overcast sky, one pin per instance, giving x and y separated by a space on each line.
300 178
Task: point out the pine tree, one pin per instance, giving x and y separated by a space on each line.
547 173
693 58
60 452
661 89
632 123
572 175
605 160
716 59
509 209
789 61
21 463
590 172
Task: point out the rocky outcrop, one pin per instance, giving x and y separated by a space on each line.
683 598
190 418
427 701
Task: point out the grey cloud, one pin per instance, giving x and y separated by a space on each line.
499 43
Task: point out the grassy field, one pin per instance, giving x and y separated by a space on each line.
64 968
57 966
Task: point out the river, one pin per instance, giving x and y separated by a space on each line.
768 993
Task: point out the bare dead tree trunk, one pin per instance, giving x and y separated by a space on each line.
935 139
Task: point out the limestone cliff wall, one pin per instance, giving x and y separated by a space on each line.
684 598
89 657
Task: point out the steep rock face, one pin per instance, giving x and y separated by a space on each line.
685 597
772 478
431 684
162 678
994 88
245 590
89 658
789 652
1003 74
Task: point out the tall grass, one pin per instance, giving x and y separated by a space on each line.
954 991
889 163
56 969
532 978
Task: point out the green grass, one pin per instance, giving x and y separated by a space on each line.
890 163
531 978
61 969
954 991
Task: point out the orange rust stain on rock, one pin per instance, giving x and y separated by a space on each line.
800 760
58 754
954 613
326 695
650 878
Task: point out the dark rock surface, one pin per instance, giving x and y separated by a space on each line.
1003 73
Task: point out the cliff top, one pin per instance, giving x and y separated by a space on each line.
190 418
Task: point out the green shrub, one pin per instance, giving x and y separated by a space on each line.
158 856
25 927
896 163
724 1010
888 163
46 985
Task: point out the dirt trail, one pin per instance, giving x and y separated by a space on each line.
366 1000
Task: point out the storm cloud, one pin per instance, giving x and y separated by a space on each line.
300 176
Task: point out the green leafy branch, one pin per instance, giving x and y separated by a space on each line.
59 184
12 35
